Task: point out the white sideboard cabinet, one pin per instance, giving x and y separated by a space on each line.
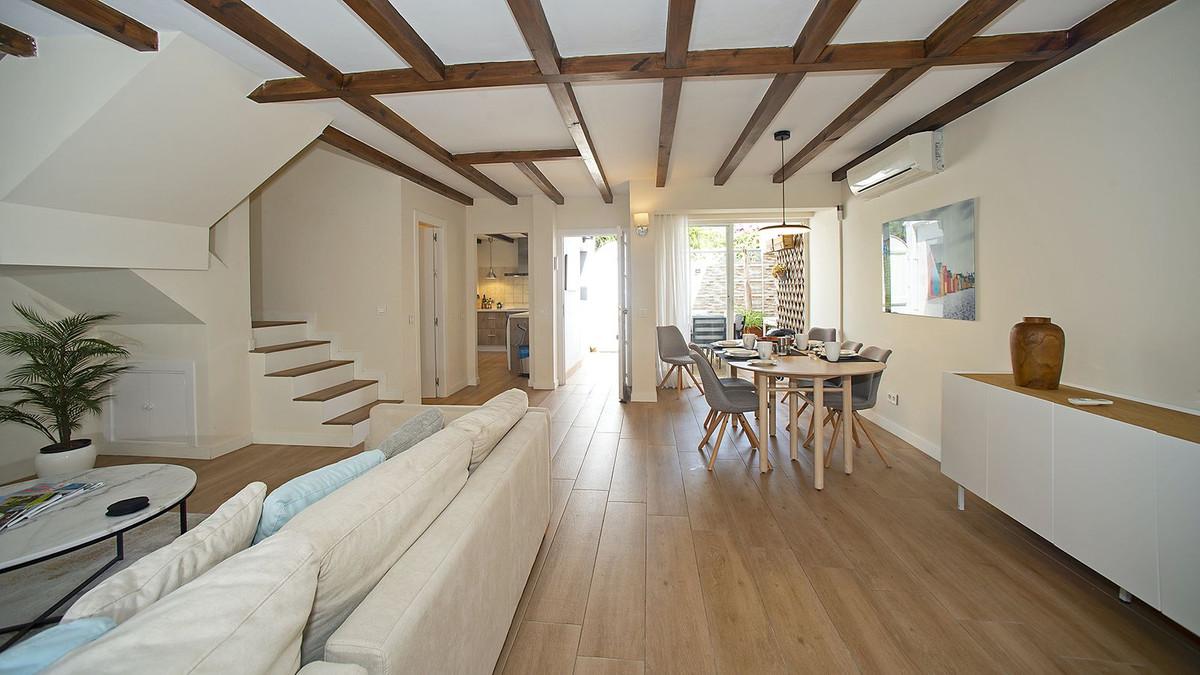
1117 487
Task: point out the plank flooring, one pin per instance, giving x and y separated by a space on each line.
653 564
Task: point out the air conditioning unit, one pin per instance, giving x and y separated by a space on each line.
905 161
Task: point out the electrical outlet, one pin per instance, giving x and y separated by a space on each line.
894 398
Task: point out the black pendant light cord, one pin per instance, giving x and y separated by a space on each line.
783 183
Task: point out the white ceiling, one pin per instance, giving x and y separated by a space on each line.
622 116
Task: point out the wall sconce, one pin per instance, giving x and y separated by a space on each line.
642 223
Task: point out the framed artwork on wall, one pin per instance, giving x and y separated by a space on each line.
929 263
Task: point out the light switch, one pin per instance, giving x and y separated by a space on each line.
381 309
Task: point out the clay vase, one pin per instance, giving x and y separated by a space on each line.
1037 348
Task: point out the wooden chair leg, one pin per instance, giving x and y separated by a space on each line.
708 417
679 375
720 435
854 434
667 376
799 411
695 381
837 426
750 435
712 426
878 451
812 428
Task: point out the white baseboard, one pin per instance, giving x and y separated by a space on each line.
202 450
290 438
919 442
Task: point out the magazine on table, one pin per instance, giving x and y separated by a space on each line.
20 507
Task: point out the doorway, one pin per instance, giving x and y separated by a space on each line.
432 310
589 306
502 327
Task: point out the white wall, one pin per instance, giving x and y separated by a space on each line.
334 242
824 287
1086 180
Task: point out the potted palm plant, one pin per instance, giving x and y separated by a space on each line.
64 378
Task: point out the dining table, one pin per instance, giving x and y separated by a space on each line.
804 372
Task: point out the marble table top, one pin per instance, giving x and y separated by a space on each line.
81 520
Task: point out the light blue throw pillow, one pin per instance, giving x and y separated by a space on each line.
37 653
413 431
294 496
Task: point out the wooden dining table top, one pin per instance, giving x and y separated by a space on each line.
810 367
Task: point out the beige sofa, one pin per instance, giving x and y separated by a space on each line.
446 605
416 566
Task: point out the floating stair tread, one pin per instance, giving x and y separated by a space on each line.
272 324
310 368
336 390
357 415
271 349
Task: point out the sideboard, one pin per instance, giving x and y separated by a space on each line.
1116 487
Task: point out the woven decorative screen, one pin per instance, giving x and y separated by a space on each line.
792 312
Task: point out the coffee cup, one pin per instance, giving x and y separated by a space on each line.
748 340
833 350
764 350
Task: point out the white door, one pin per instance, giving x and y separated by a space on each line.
430 311
624 318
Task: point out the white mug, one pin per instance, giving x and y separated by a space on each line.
764 350
802 342
833 350
748 340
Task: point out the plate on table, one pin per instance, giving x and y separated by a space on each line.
728 343
762 362
739 353
849 352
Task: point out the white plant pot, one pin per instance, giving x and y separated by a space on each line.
68 463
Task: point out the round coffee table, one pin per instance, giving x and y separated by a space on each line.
80 521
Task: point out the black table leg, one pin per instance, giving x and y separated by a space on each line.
183 516
45 619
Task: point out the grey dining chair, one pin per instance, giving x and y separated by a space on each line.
822 334
864 390
852 345
673 350
726 402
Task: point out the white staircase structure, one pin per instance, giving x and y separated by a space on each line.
303 396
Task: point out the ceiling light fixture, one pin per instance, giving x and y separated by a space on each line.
784 227
491 270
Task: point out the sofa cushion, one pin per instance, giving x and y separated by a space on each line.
299 493
412 431
245 615
488 424
228 530
362 529
35 654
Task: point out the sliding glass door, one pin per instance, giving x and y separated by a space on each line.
731 281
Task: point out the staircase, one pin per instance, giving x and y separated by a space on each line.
303 396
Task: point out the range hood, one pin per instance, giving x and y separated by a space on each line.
522 259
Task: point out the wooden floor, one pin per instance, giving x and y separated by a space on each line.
653 564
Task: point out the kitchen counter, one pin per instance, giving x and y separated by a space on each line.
506 310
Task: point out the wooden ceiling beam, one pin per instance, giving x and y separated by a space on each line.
679 34
106 21
513 156
388 24
531 20
970 18
343 141
16 43
258 31
387 118
539 179
826 18
653 66
1108 21
672 88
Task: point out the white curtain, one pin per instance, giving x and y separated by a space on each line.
674 275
